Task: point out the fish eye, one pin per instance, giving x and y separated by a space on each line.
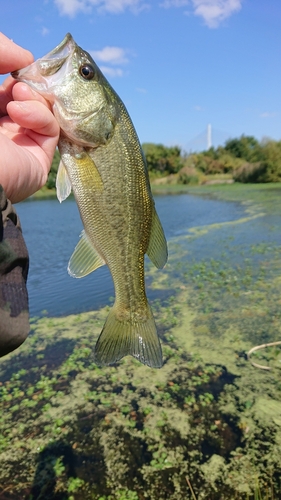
87 71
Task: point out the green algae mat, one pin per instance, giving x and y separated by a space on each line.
207 425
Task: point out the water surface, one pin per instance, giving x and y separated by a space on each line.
52 230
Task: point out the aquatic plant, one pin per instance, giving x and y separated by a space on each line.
70 430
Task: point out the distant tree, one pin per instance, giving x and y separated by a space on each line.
246 158
219 162
211 152
202 162
271 161
246 147
249 173
162 159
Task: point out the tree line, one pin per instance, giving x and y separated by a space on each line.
245 159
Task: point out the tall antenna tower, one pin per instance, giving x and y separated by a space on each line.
209 136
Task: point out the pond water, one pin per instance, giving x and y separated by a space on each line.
52 230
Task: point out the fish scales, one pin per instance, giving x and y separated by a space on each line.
123 226
103 163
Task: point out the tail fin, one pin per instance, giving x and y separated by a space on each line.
137 338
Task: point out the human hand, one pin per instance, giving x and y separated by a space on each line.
29 131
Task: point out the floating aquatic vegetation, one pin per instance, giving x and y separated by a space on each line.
71 430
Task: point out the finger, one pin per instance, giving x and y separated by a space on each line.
33 115
12 56
22 92
13 90
27 172
6 94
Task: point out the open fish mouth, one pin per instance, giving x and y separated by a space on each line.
49 70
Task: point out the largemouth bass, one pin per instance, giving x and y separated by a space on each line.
103 163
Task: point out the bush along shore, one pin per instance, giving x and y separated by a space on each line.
207 425
243 160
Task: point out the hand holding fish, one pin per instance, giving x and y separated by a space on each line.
29 131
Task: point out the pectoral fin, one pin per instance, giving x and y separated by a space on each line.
63 184
80 163
85 259
157 248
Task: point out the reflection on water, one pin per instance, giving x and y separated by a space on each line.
52 230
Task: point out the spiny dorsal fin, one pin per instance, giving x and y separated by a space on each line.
63 184
85 259
157 248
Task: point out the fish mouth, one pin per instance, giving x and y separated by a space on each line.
43 73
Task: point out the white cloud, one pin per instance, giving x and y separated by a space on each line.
116 6
112 55
72 7
111 72
212 11
174 3
215 11
44 31
268 114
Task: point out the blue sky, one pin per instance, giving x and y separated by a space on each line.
177 64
